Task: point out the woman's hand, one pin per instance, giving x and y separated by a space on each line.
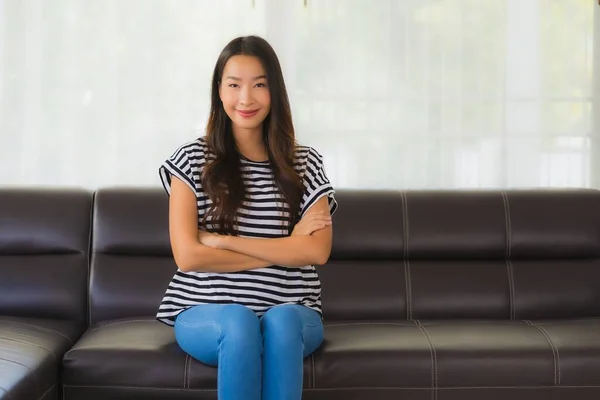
209 239
311 222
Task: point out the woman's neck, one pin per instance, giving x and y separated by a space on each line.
250 143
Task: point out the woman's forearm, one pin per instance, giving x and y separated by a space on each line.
292 251
207 259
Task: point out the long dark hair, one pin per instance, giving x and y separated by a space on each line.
222 179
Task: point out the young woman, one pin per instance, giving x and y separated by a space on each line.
249 217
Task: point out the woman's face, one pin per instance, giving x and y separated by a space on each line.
244 92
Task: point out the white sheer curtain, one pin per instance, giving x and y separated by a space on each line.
394 93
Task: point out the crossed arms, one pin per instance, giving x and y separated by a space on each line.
194 250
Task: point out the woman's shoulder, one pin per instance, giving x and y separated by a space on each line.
196 151
307 156
186 162
194 148
305 153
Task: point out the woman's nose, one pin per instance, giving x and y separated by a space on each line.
245 96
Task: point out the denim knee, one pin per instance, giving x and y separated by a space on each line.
282 325
240 327
233 326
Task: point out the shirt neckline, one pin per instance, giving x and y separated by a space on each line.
246 159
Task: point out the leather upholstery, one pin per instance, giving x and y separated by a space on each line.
427 295
44 248
131 261
31 350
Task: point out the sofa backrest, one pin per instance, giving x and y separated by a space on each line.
44 252
131 262
520 254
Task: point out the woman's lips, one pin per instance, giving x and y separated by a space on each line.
247 113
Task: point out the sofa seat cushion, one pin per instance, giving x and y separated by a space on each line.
31 350
135 353
459 354
136 358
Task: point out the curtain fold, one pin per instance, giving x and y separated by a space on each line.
396 94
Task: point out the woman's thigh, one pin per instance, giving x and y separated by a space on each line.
200 330
288 321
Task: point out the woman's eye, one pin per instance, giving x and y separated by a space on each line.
233 85
261 85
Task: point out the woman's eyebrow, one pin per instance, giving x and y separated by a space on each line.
235 78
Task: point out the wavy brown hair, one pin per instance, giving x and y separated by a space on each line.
221 178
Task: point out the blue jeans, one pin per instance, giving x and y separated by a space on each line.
257 358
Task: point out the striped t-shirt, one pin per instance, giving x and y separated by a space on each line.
260 216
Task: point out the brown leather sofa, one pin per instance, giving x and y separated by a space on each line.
44 258
427 295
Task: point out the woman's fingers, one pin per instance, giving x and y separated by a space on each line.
320 218
319 225
312 222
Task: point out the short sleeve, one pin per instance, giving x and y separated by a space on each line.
177 165
316 184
